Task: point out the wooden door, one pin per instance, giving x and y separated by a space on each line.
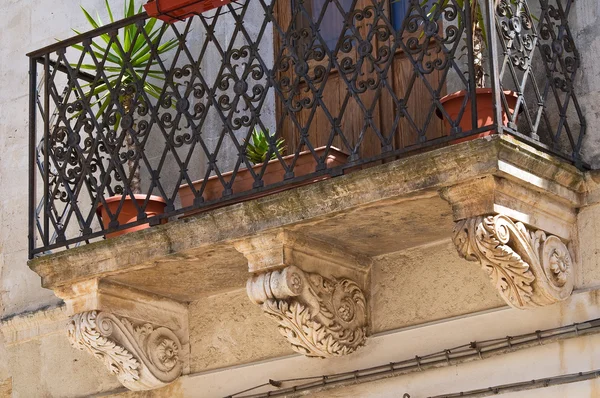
334 87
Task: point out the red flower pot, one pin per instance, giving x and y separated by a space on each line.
177 10
485 110
274 173
156 205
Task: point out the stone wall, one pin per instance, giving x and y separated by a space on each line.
29 25
585 27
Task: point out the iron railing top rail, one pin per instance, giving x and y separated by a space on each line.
89 35
347 80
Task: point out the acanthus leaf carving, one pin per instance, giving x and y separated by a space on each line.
528 268
143 357
320 317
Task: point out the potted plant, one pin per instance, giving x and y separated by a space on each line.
177 10
120 50
257 151
454 103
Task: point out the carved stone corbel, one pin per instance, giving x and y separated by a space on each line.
528 268
142 338
142 356
320 317
312 289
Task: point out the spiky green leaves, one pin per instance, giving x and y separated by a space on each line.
128 56
258 147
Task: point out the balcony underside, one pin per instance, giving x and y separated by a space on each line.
384 209
331 263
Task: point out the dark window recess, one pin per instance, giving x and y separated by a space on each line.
330 27
399 10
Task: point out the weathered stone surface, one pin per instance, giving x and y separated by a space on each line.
588 229
173 390
520 200
6 388
314 290
228 329
188 276
141 338
320 317
399 198
426 284
33 325
142 356
49 366
386 226
529 268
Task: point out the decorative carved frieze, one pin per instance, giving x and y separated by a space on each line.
528 268
320 317
142 356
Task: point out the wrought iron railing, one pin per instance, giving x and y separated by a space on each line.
345 83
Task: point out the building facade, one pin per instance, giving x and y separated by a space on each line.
333 198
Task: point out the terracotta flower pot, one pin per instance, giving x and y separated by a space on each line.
306 164
177 10
156 205
485 110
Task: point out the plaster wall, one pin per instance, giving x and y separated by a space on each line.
585 28
29 25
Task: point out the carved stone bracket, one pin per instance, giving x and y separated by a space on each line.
320 317
142 356
528 268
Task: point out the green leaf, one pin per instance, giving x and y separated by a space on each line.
481 25
89 18
141 39
110 14
258 147
114 49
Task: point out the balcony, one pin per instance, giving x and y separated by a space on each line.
120 122
380 131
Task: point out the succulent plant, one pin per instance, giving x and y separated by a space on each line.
258 147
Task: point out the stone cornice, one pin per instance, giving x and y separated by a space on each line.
33 325
518 199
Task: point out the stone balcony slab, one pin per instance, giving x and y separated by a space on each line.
383 209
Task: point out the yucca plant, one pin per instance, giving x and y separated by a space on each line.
258 147
127 45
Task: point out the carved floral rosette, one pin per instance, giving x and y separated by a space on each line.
141 356
528 268
320 317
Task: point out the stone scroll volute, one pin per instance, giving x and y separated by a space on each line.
140 355
319 317
529 268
